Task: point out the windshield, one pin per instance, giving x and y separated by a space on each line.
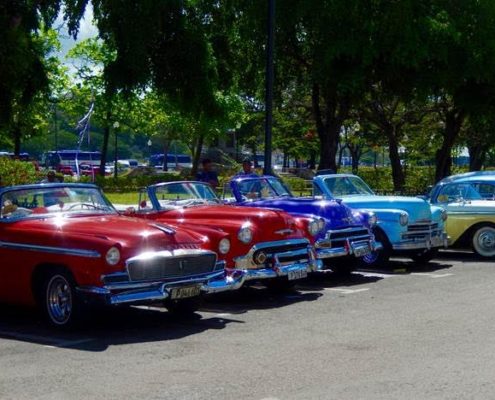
184 194
56 200
262 188
466 191
347 186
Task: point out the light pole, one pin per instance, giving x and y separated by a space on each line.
149 152
115 158
267 169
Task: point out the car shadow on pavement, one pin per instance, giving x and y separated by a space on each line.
106 328
327 279
398 266
463 256
255 298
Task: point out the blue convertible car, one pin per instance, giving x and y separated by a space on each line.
406 225
344 238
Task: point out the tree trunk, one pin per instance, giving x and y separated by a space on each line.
104 146
393 152
312 159
16 133
355 157
197 154
477 156
454 119
328 128
165 155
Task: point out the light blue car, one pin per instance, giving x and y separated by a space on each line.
406 226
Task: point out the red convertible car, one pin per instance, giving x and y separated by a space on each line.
64 246
266 243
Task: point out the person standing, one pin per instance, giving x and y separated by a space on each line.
247 168
207 174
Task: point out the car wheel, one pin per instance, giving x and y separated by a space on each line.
184 307
58 299
377 258
424 256
484 241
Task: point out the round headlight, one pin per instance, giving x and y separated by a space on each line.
224 246
245 235
372 219
314 227
403 219
444 215
113 256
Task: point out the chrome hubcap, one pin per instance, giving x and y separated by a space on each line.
371 257
59 299
486 240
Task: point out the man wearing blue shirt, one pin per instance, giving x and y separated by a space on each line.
207 175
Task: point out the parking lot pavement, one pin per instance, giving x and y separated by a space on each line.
405 332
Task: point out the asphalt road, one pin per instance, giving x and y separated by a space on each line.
412 332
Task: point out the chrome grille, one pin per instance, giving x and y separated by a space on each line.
340 237
284 253
165 266
422 231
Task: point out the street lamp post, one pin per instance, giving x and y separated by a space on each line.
115 158
149 152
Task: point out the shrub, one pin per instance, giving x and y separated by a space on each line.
15 172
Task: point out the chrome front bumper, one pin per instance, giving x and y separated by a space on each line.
246 266
127 292
351 248
427 242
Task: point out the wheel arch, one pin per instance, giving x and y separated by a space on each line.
40 272
466 238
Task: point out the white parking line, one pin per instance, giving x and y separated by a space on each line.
347 291
431 275
375 274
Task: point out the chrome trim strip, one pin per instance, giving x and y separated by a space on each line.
50 249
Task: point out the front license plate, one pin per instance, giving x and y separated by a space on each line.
361 251
300 274
185 292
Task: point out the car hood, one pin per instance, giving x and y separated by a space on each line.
338 215
129 233
229 218
417 209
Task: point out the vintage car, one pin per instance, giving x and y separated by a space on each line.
406 225
64 247
266 245
470 202
346 237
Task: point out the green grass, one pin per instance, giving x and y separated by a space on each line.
123 198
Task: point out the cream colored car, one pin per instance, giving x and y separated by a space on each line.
470 203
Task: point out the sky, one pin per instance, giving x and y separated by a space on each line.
87 29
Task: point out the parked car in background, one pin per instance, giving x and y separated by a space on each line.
266 245
405 225
470 202
63 247
343 238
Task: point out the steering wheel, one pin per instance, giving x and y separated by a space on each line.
83 206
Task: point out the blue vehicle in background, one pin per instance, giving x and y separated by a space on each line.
405 225
343 237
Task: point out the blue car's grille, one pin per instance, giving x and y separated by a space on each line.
340 237
422 231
